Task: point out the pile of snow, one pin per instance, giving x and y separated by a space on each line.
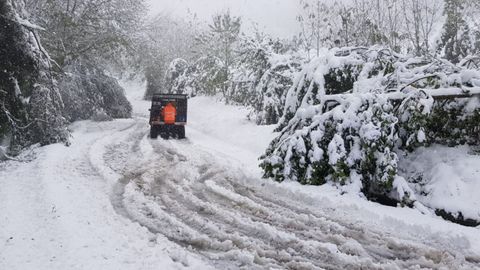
446 178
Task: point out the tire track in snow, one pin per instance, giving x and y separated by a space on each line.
351 239
122 157
229 227
358 264
171 222
236 225
379 244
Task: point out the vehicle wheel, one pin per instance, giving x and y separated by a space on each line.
163 130
153 133
181 132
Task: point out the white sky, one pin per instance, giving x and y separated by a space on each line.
276 17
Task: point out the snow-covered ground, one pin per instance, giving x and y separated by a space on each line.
115 199
448 178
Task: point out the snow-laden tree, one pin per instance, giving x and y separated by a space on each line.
318 26
176 69
208 76
271 89
456 42
352 136
421 18
91 30
30 102
403 25
205 76
337 75
164 40
88 91
264 72
220 42
215 50
473 21
86 38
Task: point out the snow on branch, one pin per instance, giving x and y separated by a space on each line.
28 24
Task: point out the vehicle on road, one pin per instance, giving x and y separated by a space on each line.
168 116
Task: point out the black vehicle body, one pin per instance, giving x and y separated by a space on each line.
157 124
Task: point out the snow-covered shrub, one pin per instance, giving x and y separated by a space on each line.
264 74
336 71
433 114
271 89
205 77
162 78
186 82
241 89
176 68
396 104
253 61
86 89
325 144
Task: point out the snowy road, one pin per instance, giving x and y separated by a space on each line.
118 200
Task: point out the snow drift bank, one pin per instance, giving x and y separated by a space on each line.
351 113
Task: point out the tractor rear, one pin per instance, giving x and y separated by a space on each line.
162 121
